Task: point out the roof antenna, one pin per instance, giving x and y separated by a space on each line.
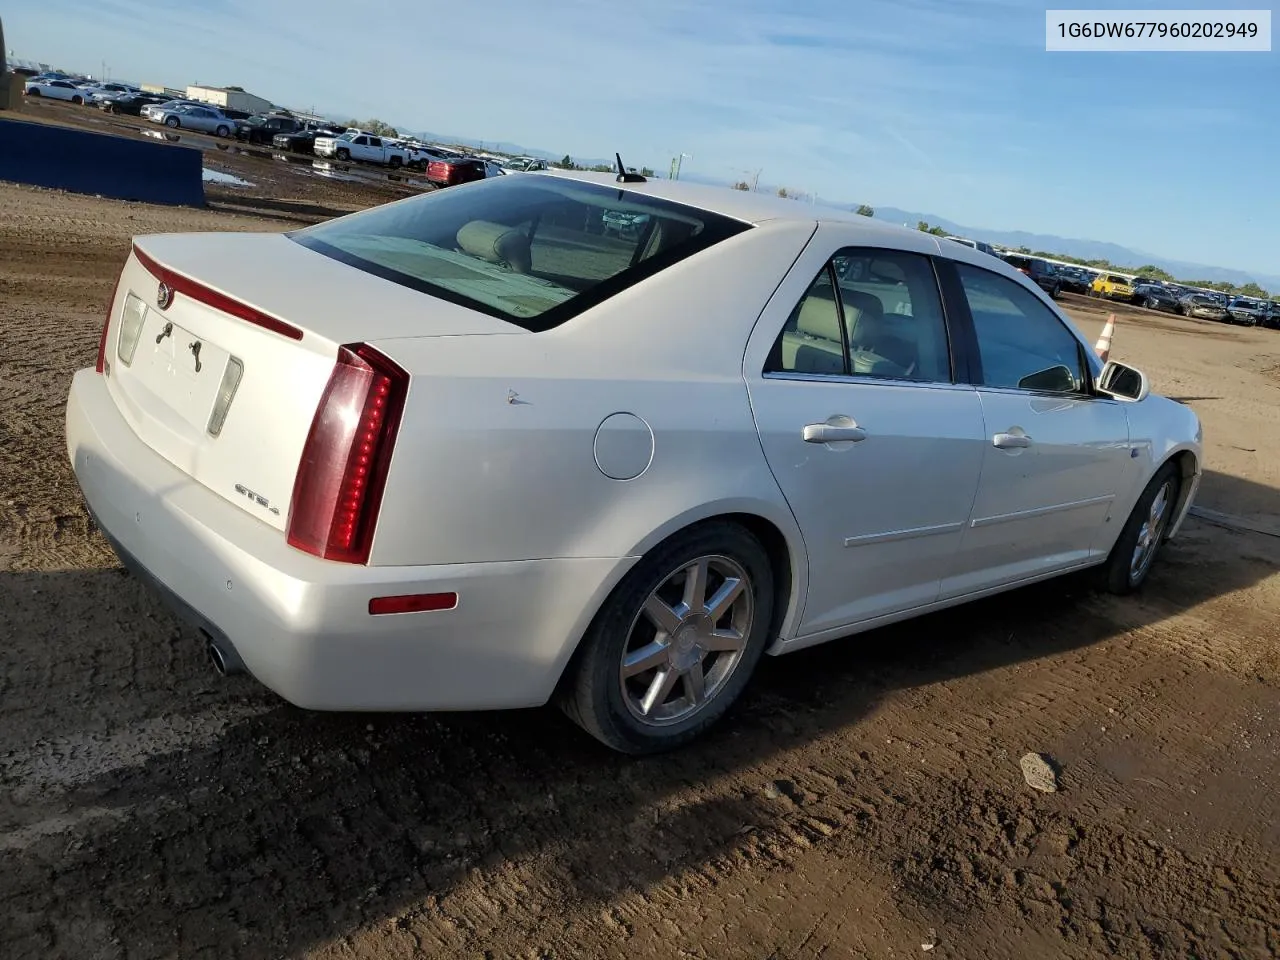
624 176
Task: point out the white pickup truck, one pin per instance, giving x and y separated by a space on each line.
358 145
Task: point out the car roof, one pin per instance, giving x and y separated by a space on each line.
739 204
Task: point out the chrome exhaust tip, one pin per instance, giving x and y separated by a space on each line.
224 658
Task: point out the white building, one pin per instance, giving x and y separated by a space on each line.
229 98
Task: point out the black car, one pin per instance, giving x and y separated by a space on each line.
1041 271
263 128
1075 279
1271 315
1153 296
304 140
128 103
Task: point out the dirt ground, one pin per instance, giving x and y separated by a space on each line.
864 800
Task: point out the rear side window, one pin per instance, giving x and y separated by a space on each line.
870 313
533 250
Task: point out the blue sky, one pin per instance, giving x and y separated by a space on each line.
948 106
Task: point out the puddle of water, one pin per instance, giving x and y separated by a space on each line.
226 179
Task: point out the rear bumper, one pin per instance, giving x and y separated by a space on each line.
301 625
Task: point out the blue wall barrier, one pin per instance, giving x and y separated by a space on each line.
100 163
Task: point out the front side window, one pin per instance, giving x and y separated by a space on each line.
531 250
1021 343
870 313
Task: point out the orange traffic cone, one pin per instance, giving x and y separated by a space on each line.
1103 347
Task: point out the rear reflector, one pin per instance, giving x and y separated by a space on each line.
343 469
413 603
219 301
102 366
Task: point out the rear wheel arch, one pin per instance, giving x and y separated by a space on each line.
785 563
585 689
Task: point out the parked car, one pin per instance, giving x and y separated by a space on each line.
1203 306
363 147
153 111
1041 271
451 172
1244 310
55 90
1075 279
375 460
1271 315
976 245
1112 286
127 103
100 90
303 141
1153 296
523 165
262 128
199 117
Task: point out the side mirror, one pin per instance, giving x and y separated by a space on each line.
1123 383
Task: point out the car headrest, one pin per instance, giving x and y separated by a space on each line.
860 306
496 243
818 318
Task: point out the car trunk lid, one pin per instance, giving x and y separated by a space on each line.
220 346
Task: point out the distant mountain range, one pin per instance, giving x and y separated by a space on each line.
1113 253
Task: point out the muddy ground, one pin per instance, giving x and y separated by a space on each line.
864 800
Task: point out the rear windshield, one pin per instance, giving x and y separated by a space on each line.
534 250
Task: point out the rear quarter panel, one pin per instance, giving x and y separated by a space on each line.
496 456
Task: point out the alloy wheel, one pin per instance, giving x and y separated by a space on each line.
1151 532
687 640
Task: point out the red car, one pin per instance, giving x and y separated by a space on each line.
449 173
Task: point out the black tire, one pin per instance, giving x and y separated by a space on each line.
78 101
344 154
1056 292
222 132
173 122
1117 574
591 693
395 163
33 92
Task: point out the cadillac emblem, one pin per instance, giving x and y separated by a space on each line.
164 295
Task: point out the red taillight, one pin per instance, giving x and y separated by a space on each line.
413 603
101 365
343 470
219 301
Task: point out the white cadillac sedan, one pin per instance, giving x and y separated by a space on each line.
468 451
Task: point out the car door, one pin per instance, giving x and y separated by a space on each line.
873 444
1055 453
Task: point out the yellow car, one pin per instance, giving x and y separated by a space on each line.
1112 287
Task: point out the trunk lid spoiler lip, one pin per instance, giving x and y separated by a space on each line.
172 283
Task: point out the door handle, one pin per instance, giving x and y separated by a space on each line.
834 432
1011 441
